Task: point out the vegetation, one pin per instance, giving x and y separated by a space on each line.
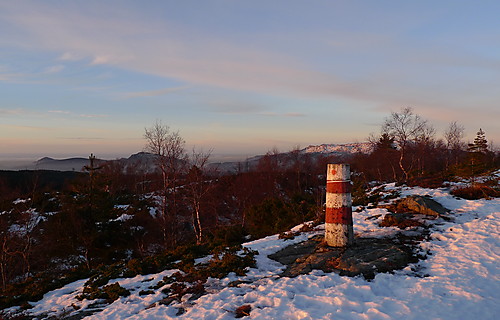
115 221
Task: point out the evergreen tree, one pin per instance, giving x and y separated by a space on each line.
385 142
477 154
480 144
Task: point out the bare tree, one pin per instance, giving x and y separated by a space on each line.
198 186
168 146
406 128
453 136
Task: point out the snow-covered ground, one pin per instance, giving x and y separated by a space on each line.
459 280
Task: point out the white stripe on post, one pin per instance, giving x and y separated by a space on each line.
338 225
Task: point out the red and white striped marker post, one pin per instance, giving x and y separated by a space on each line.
338 228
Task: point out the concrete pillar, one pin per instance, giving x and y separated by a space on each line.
338 227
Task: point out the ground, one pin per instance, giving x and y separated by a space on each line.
458 279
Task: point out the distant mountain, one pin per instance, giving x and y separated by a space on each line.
142 161
340 149
145 162
70 164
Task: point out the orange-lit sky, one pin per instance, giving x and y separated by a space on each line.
240 77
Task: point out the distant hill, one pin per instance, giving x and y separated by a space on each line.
339 150
70 164
145 162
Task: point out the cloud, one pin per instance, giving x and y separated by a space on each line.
388 70
71 114
29 128
18 112
59 111
10 77
10 112
152 93
234 106
92 115
123 43
286 115
294 114
71 56
81 138
54 69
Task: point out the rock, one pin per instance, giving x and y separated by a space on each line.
400 220
422 205
366 257
371 256
243 311
293 252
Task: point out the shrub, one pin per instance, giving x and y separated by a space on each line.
400 220
228 236
222 264
275 215
475 192
109 292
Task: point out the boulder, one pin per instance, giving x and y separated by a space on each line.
422 205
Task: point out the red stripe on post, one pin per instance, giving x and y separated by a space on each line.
342 215
338 186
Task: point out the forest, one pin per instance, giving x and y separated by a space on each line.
56 227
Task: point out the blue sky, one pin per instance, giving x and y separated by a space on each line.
240 77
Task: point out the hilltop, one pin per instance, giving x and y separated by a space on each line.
456 277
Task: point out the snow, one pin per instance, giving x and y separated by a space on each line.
348 148
18 201
460 278
123 217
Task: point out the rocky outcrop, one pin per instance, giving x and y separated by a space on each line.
366 257
422 205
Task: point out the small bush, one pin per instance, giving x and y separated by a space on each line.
402 221
433 182
109 292
228 236
288 235
114 291
231 262
275 215
476 192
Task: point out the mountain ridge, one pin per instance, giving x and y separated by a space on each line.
145 161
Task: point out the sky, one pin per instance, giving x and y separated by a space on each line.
239 77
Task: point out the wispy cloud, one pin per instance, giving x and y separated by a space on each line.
80 138
294 114
59 111
399 75
77 115
18 112
159 92
93 115
54 69
71 56
286 115
29 128
10 112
